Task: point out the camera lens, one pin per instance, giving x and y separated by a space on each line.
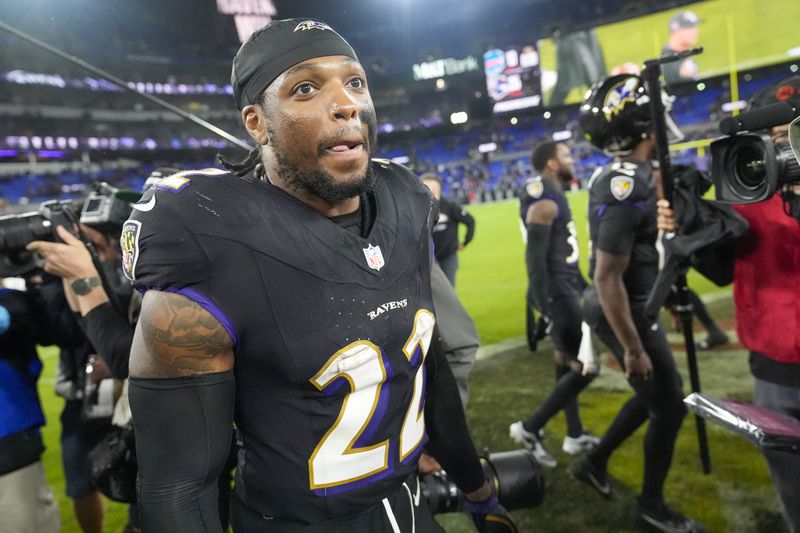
16 231
748 168
788 165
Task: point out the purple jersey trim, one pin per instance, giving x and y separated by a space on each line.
380 410
208 304
641 206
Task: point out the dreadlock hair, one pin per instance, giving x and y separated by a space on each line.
249 165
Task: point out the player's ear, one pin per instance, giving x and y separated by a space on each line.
255 123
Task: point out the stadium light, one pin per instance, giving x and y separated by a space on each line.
248 15
459 117
547 115
794 68
701 86
514 121
563 135
441 85
730 106
485 148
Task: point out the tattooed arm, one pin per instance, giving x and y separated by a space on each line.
181 395
175 337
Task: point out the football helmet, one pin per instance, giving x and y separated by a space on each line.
615 116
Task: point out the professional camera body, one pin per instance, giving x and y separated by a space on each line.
747 166
105 209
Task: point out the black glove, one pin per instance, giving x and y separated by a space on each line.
491 517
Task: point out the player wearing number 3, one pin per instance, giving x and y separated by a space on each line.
292 297
555 285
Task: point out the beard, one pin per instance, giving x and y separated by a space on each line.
565 175
320 183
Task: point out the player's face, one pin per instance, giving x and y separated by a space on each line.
322 127
566 164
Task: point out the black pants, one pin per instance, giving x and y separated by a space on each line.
566 335
401 512
660 400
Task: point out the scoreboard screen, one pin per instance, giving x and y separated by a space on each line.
513 78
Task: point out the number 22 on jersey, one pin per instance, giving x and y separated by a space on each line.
342 456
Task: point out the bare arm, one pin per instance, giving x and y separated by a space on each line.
613 297
175 337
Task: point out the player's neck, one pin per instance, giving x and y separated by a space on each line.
552 177
323 207
643 153
329 210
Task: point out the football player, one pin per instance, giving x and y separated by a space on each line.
555 285
623 267
293 296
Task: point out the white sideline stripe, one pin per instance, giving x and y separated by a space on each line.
485 352
490 350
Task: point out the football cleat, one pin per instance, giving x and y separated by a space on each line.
576 445
531 442
583 470
665 519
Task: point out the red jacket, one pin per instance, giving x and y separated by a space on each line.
766 283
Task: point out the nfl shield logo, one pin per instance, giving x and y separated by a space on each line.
374 257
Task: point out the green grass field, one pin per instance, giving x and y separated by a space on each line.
506 387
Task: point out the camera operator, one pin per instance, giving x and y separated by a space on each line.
766 270
26 501
109 326
109 332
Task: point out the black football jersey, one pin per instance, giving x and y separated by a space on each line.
622 220
562 253
330 329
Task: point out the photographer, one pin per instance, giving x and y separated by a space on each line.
109 327
26 501
766 269
108 319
